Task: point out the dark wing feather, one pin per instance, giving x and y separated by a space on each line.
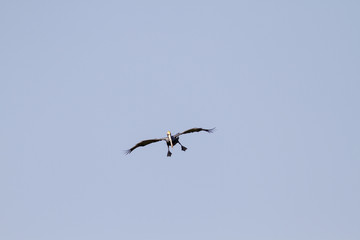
191 130
142 144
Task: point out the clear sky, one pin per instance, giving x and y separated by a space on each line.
81 81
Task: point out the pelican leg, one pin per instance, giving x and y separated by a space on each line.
182 147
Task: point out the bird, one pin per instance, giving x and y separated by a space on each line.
171 140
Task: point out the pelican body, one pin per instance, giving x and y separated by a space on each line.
170 140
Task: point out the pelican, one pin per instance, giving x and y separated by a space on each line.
170 140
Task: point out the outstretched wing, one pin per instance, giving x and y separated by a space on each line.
142 144
195 130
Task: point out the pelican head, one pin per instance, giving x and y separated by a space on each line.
169 136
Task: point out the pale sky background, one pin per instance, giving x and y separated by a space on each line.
81 81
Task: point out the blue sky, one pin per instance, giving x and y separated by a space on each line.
82 81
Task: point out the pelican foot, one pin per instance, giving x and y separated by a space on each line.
169 154
183 148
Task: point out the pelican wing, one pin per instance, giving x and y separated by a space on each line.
142 144
195 130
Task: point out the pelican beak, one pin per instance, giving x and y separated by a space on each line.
169 136
171 141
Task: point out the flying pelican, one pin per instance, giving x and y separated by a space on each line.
170 140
